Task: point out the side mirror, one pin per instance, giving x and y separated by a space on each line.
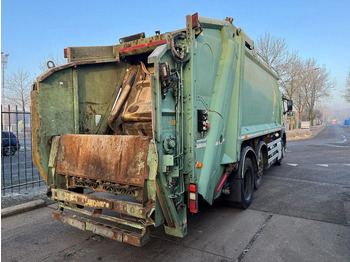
289 105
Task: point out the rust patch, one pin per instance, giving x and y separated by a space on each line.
36 124
91 103
106 230
104 157
133 109
107 186
95 202
138 128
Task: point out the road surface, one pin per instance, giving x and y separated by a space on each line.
300 213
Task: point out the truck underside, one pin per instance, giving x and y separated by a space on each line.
121 133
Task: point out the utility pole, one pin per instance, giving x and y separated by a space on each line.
4 57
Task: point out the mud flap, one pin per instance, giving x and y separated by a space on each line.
235 189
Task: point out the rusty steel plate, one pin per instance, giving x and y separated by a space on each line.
106 230
120 159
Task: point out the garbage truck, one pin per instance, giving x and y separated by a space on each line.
135 135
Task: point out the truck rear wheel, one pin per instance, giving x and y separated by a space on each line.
247 183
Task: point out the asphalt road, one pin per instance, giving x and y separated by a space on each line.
300 213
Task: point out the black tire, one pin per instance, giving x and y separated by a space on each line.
247 183
9 151
260 172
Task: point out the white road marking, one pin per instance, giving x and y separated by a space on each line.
336 146
344 139
323 165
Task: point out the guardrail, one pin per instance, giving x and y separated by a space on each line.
18 172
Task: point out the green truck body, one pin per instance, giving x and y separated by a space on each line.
134 135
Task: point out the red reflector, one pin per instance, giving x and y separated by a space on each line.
195 20
65 53
193 207
193 188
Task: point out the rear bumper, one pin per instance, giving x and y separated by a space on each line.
128 225
114 232
123 207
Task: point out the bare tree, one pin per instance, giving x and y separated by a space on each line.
300 80
56 59
300 98
18 88
317 84
274 51
346 94
288 66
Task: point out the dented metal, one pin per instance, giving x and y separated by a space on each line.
96 202
114 232
119 159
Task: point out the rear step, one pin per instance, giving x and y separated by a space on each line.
96 202
105 230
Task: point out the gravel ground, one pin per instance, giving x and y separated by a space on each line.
298 134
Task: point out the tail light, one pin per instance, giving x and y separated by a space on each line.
193 198
195 20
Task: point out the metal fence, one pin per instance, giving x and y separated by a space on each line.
17 170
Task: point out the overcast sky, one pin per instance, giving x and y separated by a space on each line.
31 30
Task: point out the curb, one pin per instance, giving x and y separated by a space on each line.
14 210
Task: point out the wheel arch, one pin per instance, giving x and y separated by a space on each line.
248 151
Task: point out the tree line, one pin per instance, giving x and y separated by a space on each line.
18 83
301 79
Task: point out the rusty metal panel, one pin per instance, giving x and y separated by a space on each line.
96 202
91 53
139 46
70 220
36 124
97 213
106 230
119 159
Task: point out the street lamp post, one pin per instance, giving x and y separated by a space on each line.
4 57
